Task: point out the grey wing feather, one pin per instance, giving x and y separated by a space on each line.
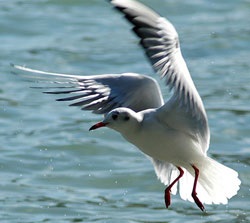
102 93
160 41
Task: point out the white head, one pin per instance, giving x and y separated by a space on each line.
120 119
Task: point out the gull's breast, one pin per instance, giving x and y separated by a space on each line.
164 143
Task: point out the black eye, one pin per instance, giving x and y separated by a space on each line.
114 116
126 118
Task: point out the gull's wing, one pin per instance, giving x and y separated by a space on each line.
185 110
102 93
166 172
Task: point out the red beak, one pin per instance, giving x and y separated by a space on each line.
98 125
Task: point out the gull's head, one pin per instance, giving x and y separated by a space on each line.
119 119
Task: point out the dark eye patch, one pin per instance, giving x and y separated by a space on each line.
114 116
126 118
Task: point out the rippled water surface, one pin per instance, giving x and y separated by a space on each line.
52 169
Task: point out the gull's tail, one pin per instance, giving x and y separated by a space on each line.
216 183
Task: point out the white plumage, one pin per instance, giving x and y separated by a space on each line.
175 135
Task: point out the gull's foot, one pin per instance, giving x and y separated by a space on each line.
168 189
194 194
167 197
197 201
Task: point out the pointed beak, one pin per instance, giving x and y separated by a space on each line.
98 125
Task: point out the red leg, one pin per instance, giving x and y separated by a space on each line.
168 189
194 194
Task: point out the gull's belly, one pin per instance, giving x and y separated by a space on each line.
169 145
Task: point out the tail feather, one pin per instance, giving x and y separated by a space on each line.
219 181
216 183
186 187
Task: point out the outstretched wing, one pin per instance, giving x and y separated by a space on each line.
160 41
103 93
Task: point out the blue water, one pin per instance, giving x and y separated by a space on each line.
52 169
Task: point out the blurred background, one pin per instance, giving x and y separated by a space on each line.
52 169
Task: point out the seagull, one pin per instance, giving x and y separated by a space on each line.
173 134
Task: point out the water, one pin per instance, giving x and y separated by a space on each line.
53 170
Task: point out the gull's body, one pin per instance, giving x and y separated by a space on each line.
175 134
